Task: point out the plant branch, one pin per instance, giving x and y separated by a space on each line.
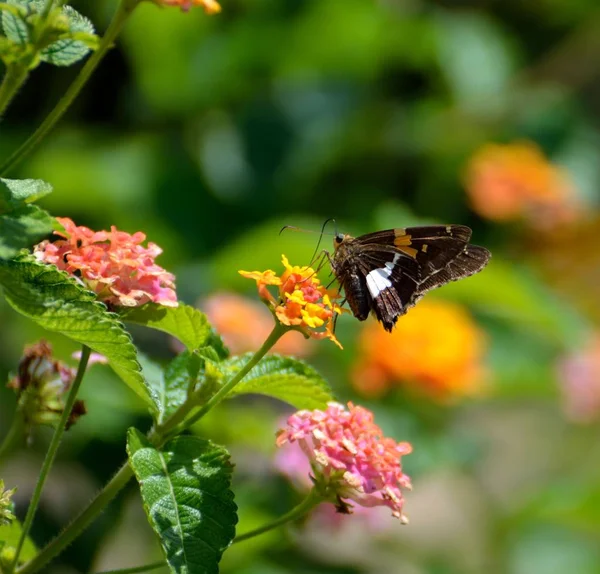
123 12
312 500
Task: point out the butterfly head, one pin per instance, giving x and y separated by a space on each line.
339 239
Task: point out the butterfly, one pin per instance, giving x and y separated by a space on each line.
387 272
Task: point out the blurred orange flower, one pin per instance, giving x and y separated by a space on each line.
210 6
580 383
244 324
436 348
507 182
303 303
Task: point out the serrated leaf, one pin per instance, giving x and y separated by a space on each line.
170 389
68 51
14 193
9 538
15 28
23 228
55 301
185 488
186 323
283 378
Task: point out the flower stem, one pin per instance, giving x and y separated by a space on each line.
312 500
276 333
15 76
135 569
52 450
15 433
124 10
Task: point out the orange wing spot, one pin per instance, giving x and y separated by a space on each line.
410 251
402 238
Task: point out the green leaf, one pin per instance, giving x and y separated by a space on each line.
9 539
185 488
169 390
186 323
68 51
15 27
15 193
284 378
55 301
23 228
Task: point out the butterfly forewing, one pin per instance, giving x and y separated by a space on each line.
389 271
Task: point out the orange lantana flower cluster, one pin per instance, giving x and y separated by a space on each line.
302 302
508 182
436 349
113 264
210 6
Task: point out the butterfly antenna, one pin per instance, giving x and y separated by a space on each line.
321 237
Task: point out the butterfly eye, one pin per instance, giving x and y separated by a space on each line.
339 238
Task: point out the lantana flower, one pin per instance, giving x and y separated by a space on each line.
6 505
436 349
113 264
349 457
516 180
210 6
302 302
42 384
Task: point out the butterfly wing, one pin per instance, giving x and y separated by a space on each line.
401 265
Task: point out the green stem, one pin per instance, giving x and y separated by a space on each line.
80 523
134 570
52 450
15 434
124 10
15 76
275 335
312 500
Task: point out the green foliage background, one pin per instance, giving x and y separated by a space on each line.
209 134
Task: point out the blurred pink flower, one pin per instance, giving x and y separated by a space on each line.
349 457
580 383
95 358
112 263
244 324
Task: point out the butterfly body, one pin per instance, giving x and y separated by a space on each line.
387 272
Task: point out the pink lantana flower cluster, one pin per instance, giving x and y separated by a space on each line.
113 264
349 456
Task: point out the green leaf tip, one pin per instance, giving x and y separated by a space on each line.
186 323
285 378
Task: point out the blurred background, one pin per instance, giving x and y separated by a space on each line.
210 133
